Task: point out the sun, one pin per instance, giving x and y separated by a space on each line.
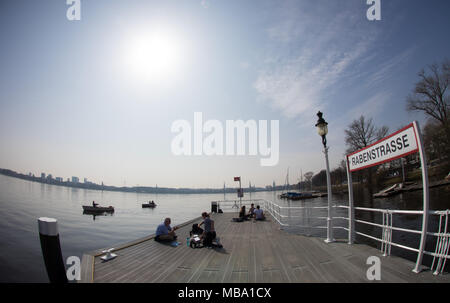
153 54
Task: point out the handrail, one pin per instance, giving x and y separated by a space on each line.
440 255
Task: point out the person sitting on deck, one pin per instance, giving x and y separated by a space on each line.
259 214
251 212
209 234
242 213
94 204
165 233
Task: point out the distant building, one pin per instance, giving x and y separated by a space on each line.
85 180
59 179
49 177
42 175
68 179
75 180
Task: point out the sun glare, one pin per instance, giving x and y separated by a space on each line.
153 55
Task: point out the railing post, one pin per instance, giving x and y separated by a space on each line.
426 197
351 209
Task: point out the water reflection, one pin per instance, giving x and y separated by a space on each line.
22 202
98 214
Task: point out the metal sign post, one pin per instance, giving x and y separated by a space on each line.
406 141
239 192
351 210
426 198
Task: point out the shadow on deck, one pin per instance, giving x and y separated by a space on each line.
253 252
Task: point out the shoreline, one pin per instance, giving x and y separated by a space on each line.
136 189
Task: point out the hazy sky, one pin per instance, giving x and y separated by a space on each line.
88 98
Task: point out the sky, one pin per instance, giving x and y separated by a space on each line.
96 97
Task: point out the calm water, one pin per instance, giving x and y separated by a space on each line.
22 202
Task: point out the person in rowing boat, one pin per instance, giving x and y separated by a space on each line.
165 233
94 204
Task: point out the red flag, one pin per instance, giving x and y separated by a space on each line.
237 178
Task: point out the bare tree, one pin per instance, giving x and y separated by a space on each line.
435 147
308 177
361 133
431 95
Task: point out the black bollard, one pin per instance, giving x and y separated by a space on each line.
51 250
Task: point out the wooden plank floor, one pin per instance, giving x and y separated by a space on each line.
253 252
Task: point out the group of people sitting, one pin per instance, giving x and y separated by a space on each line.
253 213
165 233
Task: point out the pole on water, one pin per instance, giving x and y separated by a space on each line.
240 193
426 198
51 250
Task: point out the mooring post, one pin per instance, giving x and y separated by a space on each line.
51 250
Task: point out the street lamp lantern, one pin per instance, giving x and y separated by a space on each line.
322 130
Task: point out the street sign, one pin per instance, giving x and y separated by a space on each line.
394 146
240 193
406 141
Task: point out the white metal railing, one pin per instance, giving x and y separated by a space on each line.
441 253
287 216
284 215
235 205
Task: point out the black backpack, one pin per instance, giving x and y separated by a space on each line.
195 230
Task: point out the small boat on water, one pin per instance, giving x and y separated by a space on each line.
149 205
98 209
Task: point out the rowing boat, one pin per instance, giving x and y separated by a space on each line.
148 205
98 209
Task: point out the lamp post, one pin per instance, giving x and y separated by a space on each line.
322 130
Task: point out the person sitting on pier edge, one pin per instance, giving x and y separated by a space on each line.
94 204
165 233
209 234
259 214
251 211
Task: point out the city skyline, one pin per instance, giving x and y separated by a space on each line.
74 181
97 97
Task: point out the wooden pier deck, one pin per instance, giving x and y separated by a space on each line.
253 252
